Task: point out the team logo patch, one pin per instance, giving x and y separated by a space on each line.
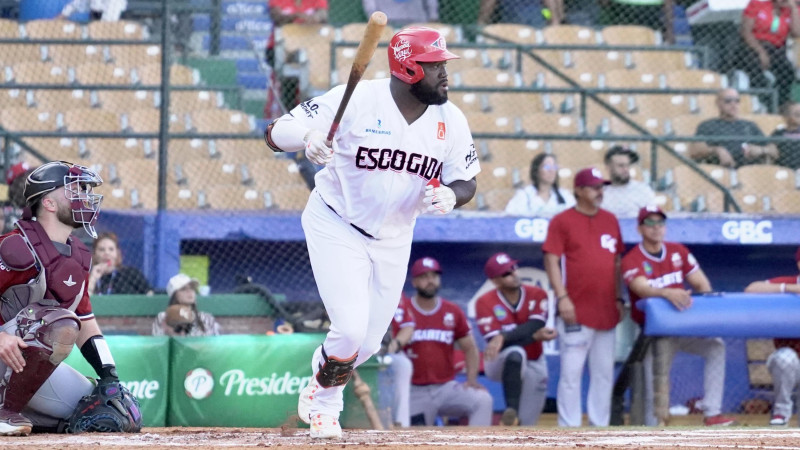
440 131
543 305
398 315
449 320
199 383
402 50
648 269
677 262
500 312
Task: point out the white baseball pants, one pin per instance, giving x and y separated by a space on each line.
575 347
452 399
784 366
402 371
713 352
534 383
360 281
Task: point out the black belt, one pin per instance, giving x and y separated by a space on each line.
359 229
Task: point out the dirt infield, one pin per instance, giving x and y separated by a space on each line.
430 438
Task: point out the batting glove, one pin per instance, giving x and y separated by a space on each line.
317 150
441 200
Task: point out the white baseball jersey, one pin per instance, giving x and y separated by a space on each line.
381 163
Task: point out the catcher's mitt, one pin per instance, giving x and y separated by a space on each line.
109 408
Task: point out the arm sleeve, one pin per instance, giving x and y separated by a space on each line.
523 334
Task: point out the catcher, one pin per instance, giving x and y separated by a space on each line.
45 310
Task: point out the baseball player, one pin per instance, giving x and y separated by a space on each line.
401 330
783 363
512 320
437 326
582 252
45 310
656 268
399 138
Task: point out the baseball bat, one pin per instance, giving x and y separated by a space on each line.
372 34
362 391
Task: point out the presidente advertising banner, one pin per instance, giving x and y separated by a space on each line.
143 367
248 381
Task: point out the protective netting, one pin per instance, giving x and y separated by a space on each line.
194 188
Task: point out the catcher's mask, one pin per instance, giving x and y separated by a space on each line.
413 45
79 183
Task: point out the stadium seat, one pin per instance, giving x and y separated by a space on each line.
623 79
234 197
27 119
629 35
221 121
693 189
91 120
786 202
179 75
73 55
132 56
133 172
147 121
752 202
495 176
114 197
686 125
767 123
122 102
207 172
660 106
13 98
550 124
315 40
106 151
9 29
660 62
18 53
55 149
470 58
183 102
471 101
497 199
484 77
598 61
578 154
512 32
354 32
292 197
118 30
61 100
377 68
268 174
242 151
181 151
99 73
694 79
569 34
181 197
487 122
53 29
510 103
39 73
765 179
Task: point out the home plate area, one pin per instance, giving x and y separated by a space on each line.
422 438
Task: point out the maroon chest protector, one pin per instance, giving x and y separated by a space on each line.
63 275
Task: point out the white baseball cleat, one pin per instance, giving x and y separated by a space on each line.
304 402
324 426
15 424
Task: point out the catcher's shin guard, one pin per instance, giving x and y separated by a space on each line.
50 334
335 371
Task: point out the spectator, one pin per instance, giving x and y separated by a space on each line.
181 317
650 13
624 196
512 320
764 29
586 242
404 12
543 198
108 275
437 325
783 364
730 153
656 268
105 10
536 13
16 176
789 152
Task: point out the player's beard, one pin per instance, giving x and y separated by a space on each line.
428 95
427 292
620 179
64 215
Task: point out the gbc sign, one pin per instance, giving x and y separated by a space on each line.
533 229
748 231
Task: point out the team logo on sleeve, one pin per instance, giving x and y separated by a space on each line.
310 108
398 315
471 157
677 261
500 312
648 269
440 132
449 320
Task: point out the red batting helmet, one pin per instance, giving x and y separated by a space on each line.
413 45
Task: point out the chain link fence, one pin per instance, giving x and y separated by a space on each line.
168 104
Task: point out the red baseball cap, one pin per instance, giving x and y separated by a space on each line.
425 265
498 264
650 209
590 176
15 171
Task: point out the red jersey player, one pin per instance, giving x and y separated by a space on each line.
655 268
439 324
512 320
581 256
783 363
